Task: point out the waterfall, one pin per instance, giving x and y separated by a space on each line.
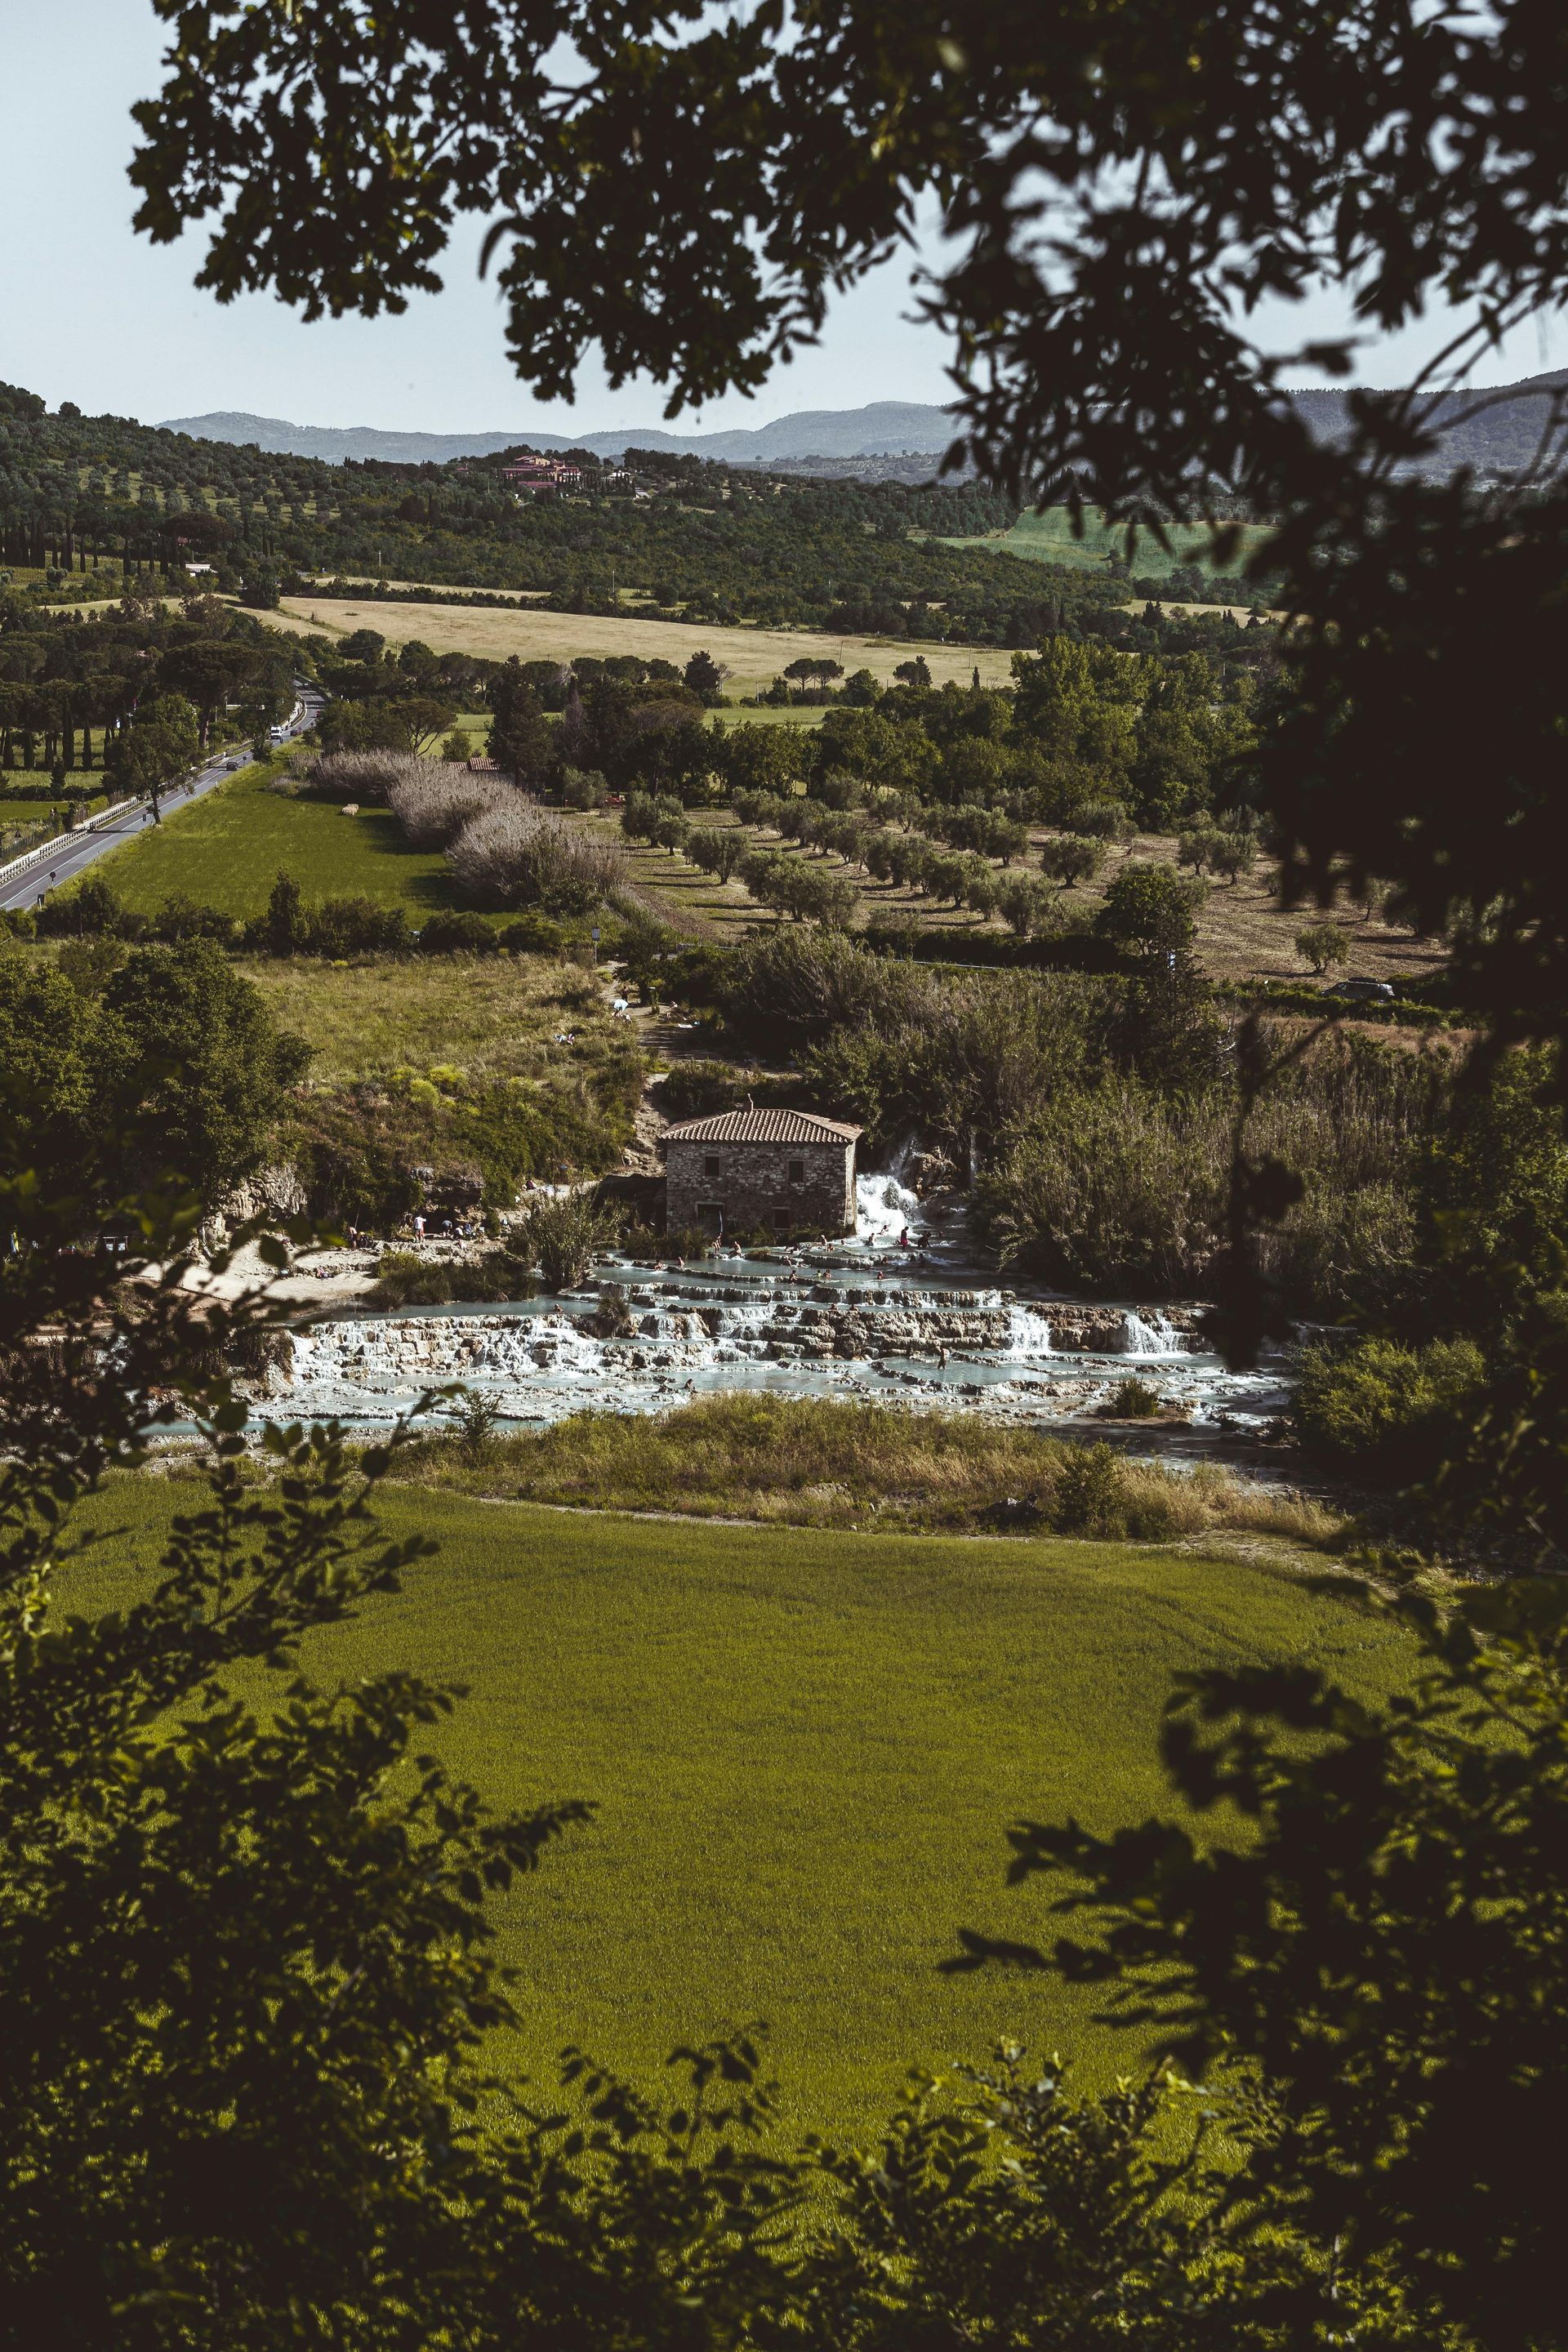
1031 1336
1159 1337
884 1203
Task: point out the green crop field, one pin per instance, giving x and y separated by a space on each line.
225 851
805 1748
1048 537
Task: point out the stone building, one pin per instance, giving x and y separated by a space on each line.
778 1169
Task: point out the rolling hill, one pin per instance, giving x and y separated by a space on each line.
1501 438
885 427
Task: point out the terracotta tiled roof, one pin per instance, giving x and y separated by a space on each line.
761 1127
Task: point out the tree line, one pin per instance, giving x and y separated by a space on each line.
718 544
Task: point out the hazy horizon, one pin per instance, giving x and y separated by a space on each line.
95 314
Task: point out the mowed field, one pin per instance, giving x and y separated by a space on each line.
227 850
755 656
805 1749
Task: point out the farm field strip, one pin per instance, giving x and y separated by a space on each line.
755 656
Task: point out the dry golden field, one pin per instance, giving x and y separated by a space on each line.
755 657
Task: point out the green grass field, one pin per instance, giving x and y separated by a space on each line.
226 850
492 1019
805 1748
776 714
1048 539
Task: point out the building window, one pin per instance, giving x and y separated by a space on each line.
797 1172
710 1166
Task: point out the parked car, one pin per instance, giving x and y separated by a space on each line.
1360 991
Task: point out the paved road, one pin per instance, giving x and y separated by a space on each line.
78 852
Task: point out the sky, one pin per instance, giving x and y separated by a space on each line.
93 313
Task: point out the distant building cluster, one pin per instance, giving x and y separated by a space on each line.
541 474
558 474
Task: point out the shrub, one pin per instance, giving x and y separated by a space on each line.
1092 1495
583 788
91 910
648 818
403 1278
1197 849
1323 946
1131 1399
532 934
694 1089
980 891
463 933
335 927
1072 859
345 926
516 855
1148 910
717 849
1103 820
558 1237
1024 903
1115 1186
1234 854
946 878
180 918
1383 1410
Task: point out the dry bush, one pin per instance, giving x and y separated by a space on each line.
513 854
434 804
369 777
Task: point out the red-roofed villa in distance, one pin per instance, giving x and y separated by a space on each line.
781 1169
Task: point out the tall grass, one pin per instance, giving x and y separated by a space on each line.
1120 1187
434 804
1116 1187
366 776
513 854
817 1461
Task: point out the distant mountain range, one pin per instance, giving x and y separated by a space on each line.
1501 440
887 427
1504 438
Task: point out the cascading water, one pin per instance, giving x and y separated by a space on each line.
1154 1338
886 1206
1030 1338
847 1320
